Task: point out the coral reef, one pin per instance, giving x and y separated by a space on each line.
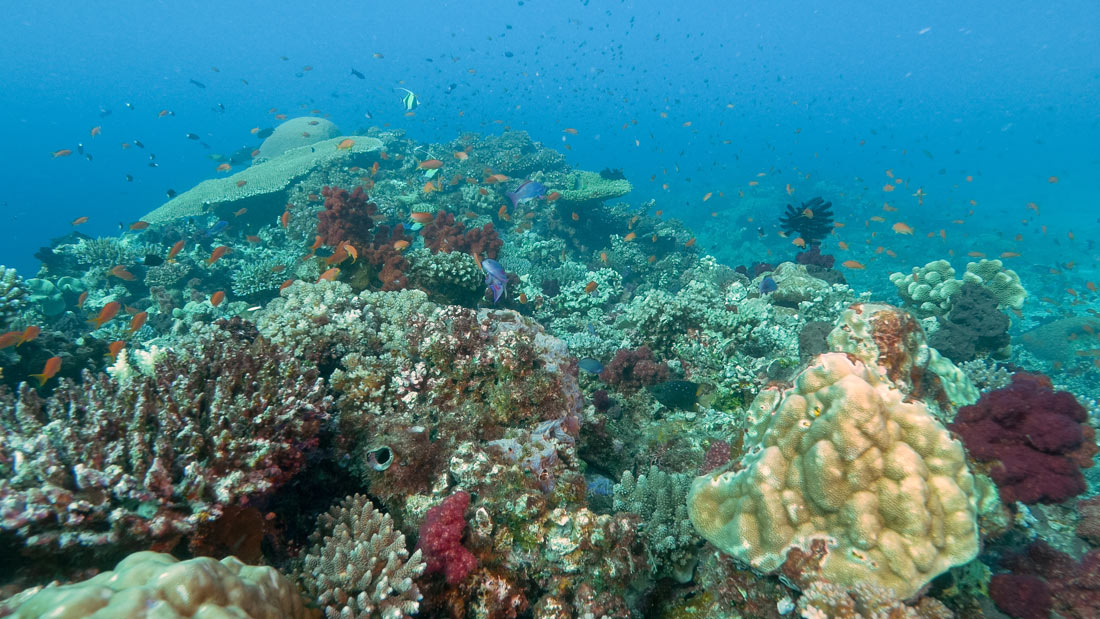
443 234
1043 579
928 290
347 216
631 370
659 499
358 565
1003 283
974 326
841 457
153 584
1034 439
110 461
12 292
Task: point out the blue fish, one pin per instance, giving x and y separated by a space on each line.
216 228
768 285
527 191
590 365
495 278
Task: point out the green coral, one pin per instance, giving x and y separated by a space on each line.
1003 283
12 293
660 499
257 276
108 252
927 290
589 186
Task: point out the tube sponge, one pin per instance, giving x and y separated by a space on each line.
842 458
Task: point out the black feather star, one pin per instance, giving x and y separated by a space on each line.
812 221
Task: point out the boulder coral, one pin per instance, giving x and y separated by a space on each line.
842 458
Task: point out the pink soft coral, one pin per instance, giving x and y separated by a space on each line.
441 539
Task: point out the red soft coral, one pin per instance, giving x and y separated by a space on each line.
631 370
1036 439
1072 587
441 539
347 217
444 234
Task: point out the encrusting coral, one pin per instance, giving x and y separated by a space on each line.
841 457
359 567
151 584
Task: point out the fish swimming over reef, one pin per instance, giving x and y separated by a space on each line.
527 191
495 278
410 101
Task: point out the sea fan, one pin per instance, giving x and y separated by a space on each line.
811 221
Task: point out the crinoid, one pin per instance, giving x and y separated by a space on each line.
812 221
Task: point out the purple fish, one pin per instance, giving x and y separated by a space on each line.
495 278
527 191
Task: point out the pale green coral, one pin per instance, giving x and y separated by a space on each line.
44 294
1003 283
12 293
591 186
659 498
927 290
449 277
108 252
253 276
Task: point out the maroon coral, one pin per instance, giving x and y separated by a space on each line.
1036 439
1072 588
631 370
444 234
224 420
348 216
441 539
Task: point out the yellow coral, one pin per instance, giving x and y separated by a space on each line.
876 477
151 584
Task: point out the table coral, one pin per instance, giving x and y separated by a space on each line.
147 457
842 457
147 584
1036 439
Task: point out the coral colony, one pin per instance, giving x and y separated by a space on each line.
366 377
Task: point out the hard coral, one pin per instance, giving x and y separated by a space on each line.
631 370
842 456
444 234
441 539
137 458
1036 439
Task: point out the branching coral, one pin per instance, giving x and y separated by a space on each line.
359 567
149 456
659 499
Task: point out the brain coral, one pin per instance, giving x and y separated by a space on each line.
841 457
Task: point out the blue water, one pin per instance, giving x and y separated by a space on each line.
1004 92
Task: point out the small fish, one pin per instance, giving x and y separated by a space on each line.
590 365
852 264
240 211
198 83
108 312
114 348
217 298
630 237
64 152
81 299
690 242
401 245
707 196
1052 180
218 252
28 334
888 187
569 130
503 213
421 217
590 287
345 144
768 285
79 220
358 74
430 164
284 219
553 195
176 249
409 101
192 136
241 183
224 167
96 130
120 272
216 228
9 339
461 155
798 242
495 278
53 364
329 275
138 321
902 228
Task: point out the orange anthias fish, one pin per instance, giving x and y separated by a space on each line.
9 339
80 220
345 144
707 196
114 348
81 299
553 195
421 217
108 312
888 187
28 334
429 187
590 287
64 152
120 272
852 264
630 237
218 252
139 225
224 167
53 364
138 321
430 164
503 213
902 228
217 298
329 275
176 249
798 242
401 245
284 219
461 155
